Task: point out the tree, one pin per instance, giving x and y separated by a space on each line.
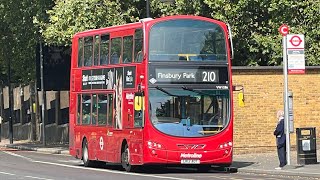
255 25
19 39
72 16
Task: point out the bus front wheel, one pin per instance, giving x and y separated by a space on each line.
125 159
85 154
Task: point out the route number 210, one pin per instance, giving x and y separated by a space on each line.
208 76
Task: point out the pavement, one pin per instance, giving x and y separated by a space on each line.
35 146
258 163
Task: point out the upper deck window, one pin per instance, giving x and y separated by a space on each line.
88 47
187 40
80 52
138 43
104 50
96 49
116 44
127 49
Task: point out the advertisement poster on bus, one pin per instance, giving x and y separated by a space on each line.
118 97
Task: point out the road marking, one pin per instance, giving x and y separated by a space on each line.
101 170
32 177
17 155
7 173
110 171
70 161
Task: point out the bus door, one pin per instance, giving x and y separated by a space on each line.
104 121
136 134
102 113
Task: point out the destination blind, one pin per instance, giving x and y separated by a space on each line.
187 75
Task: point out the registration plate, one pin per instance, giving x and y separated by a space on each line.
190 161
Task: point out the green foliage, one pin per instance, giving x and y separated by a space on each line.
69 17
18 39
255 24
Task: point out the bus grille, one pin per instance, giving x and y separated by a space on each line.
191 146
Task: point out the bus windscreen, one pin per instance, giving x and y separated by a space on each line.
187 40
189 113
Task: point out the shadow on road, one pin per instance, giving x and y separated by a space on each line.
241 164
159 169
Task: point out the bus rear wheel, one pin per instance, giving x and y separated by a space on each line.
125 159
85 155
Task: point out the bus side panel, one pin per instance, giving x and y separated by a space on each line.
73 99
134 137
136 146
114 145
72 121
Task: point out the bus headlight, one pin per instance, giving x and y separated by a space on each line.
225 145
155 145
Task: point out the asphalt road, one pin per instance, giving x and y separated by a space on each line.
37 166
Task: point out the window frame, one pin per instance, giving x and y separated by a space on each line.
119 58
108 42
110 118
96 47
79 109
135 40
92 51
123 49
90 120
107 107
80 52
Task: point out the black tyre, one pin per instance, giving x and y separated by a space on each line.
125 159
85 155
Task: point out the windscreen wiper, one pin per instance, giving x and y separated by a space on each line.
162 90
195 91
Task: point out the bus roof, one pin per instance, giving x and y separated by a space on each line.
108 29
139 24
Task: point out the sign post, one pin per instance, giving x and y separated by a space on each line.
295 48
284 30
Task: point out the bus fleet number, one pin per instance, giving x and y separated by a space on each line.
208 76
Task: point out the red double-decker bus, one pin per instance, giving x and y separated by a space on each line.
155 92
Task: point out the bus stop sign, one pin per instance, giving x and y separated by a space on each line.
295 52
295 41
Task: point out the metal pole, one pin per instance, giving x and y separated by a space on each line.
286 99
32 111
10 103
148 8
43 97
1 110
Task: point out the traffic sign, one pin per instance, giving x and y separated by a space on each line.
284 29
296 57
295 41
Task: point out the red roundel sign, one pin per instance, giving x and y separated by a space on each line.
295 41
284 29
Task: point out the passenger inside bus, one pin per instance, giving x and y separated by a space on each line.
139 57
88 61
104 59
114 59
